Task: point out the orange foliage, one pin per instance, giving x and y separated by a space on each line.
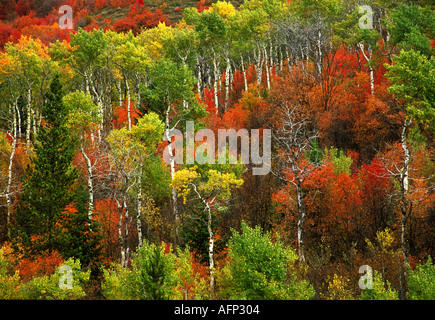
41 265
121 115
106 214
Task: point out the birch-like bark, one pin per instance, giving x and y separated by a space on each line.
199 80
266 67
368 58
90 183
139 209
29 116
301 219
210 248
127 86
215 82
245 80
11 159
227 83
172 166
406 207
258 65
120 234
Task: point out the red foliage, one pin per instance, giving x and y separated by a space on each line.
140 17
22 7
121 115
100 4
41 265
8 34
203 5
106 214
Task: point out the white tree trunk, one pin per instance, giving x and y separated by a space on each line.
215 82
406 206
11 159
301 221
127 86
90 183
227 83
29 116
210 249
266 68
368 58
245 80
139 210
172 166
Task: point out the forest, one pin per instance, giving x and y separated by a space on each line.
102 198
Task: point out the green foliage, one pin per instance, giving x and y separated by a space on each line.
339 159
48 288
9 280
45 287
412 78
45 217
412 27
380 291
421 281
152 277
82 112
260 268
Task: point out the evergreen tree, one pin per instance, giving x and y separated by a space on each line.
44 220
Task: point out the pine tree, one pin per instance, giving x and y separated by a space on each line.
44 220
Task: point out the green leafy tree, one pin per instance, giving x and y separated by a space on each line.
212 190
260 268
412 27
45 219
152 277
422 281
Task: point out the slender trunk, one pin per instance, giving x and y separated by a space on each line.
172 165
29 116
138 100
139 210
90 183
8 188
210 249
258 66
227 83
18 116
127 233
301 220
406 208
245 80
127 86
215 82
368 58
120 233
119 88
266 67
199 80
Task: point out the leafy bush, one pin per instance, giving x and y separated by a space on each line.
9 281
380 290
152 277
421 281
259 268
48 287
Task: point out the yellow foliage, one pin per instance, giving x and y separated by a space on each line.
223 8
338 289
